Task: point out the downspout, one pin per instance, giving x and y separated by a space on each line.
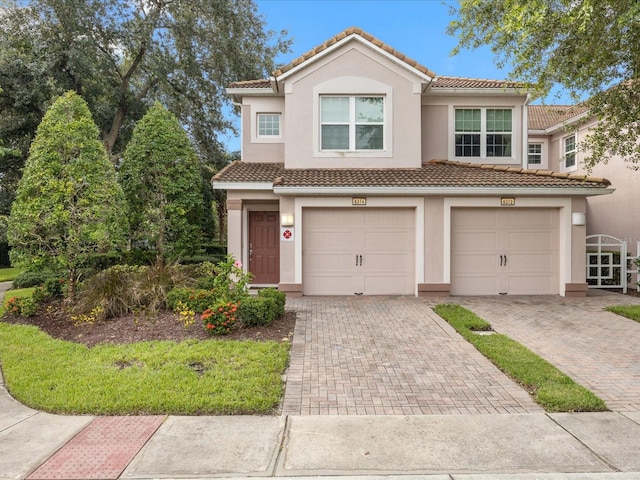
525 130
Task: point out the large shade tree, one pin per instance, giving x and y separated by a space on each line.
68 203
589 47
120 56
162 180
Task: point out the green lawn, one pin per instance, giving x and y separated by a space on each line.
551 389
210 377
629 311
8 274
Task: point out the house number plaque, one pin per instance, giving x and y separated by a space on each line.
507 201
359 201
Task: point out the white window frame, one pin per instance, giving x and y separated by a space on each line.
274 115
538 154
571 153
352 124
483 133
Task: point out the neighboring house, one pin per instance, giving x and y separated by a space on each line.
364 172
552 132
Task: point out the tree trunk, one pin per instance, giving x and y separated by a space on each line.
112 136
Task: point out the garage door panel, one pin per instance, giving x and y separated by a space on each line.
394 240
383 238
475 241
474 263
519 255
531 240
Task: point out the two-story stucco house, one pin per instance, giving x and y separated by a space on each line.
366 173
555 132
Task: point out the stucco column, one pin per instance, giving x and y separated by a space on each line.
234 229
577 287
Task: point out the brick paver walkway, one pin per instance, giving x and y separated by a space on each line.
389 355
598 349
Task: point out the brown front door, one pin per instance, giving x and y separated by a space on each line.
264 247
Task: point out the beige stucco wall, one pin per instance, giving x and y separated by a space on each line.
353 70
578 243
434 240
435 130
287 248
256 149
438 125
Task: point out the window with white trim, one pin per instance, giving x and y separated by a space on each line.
351 123
570 151
268 125
483 132
534 156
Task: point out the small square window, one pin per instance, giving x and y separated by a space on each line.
534 154
268 125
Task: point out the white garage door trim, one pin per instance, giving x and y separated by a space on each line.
564 228
372 202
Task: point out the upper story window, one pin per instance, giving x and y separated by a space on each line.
483 132
534 154
268 125
570 151
352 123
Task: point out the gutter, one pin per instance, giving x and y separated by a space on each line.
450 191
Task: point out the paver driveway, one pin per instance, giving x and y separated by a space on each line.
389 355
598 349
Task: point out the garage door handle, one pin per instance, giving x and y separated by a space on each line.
501 259
505 260
360 260
356 260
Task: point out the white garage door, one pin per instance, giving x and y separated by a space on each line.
366 251
504 251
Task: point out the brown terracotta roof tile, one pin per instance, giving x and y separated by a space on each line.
340 36
262 83
436 173
542 117
249 172
460 82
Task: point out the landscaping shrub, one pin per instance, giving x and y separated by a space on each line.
30 279
25 306
231 282
220 318
257 311
197 300
279 298
112 289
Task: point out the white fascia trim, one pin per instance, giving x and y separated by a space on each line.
367 44
250 92
451 191
566 123
435 90
242 186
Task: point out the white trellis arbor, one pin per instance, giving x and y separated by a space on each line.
608 263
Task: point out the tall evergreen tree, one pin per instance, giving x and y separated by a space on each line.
162 180
68 202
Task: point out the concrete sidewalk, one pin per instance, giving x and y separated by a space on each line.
523 446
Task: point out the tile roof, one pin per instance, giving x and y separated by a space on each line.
460 82
262 83
436 173
542 117
344 34
239 171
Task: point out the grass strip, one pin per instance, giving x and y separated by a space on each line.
630 311
211 377
551 389
8 274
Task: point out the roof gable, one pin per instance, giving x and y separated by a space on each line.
344 37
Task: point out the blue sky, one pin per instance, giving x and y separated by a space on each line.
414 27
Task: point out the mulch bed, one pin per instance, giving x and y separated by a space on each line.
131 329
